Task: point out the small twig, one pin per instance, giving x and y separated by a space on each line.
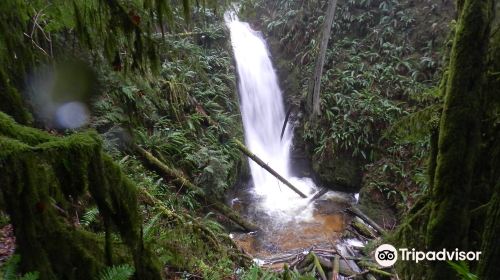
35 44
358 274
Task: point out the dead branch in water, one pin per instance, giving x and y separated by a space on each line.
355 210
257 160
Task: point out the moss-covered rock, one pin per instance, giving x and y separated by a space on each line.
340 171
42 176
373 203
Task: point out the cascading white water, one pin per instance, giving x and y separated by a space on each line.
263 115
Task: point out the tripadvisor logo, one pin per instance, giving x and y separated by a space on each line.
387 255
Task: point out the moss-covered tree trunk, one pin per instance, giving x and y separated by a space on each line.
489 265
459 134
11 102
41 177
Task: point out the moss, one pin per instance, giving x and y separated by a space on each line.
443 220
488 267
42 176
340 171
459 134
11 102
9 128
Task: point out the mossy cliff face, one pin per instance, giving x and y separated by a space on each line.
42 176
341 171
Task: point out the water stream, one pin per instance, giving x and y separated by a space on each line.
263 115
288 221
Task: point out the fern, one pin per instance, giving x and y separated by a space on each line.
9 270
118 272
462 269
89 216
30 276
150 228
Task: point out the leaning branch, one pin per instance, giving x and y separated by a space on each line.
178 178
257 160
355 210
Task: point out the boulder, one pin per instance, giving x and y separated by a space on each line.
340 171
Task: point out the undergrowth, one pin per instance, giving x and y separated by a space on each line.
379 82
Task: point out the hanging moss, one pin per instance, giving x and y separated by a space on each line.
41 176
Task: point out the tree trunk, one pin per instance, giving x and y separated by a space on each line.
313 100
489 268
459 135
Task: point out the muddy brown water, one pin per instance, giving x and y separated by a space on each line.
280 237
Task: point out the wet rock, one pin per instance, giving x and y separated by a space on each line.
373 203
340 172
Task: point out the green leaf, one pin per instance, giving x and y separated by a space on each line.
119 272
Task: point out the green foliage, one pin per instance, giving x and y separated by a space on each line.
417 125
379 96
90 216
10 268
223 269
374 70
462 269
111 27
185 115
174 94
54 171
118 272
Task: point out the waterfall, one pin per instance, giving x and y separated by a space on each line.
263 114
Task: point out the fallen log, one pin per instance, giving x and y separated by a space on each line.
257 160
368 276
363 229
312 262
355 210
178 178
318 267
357 275
319 194
379 272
